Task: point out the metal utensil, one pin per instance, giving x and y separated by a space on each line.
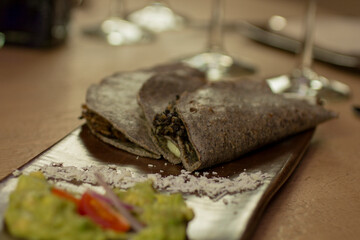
262 35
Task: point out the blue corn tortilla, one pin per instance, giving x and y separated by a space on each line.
224 120
113 114
159 90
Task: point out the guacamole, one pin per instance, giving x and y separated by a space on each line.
34 212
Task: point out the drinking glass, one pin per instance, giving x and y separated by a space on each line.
118 31
157 17
215 61
303 80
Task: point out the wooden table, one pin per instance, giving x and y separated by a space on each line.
41 92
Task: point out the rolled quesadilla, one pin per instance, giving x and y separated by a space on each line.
221 121
159 90
113 115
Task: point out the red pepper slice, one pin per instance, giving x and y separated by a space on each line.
63 194
102 213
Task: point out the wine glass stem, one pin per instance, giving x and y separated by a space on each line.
308 43
117 8
215 40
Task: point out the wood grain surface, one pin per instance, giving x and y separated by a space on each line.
41 92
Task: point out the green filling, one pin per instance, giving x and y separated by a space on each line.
35 213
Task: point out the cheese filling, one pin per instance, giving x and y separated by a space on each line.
173 148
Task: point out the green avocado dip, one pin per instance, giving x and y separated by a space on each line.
34 212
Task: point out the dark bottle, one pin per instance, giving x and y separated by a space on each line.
35 23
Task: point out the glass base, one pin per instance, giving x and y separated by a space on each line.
117 31
157 17
306 82
219 65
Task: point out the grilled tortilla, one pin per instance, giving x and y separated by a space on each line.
159 90
113 115
224 120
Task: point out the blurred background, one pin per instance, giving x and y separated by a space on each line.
53 50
